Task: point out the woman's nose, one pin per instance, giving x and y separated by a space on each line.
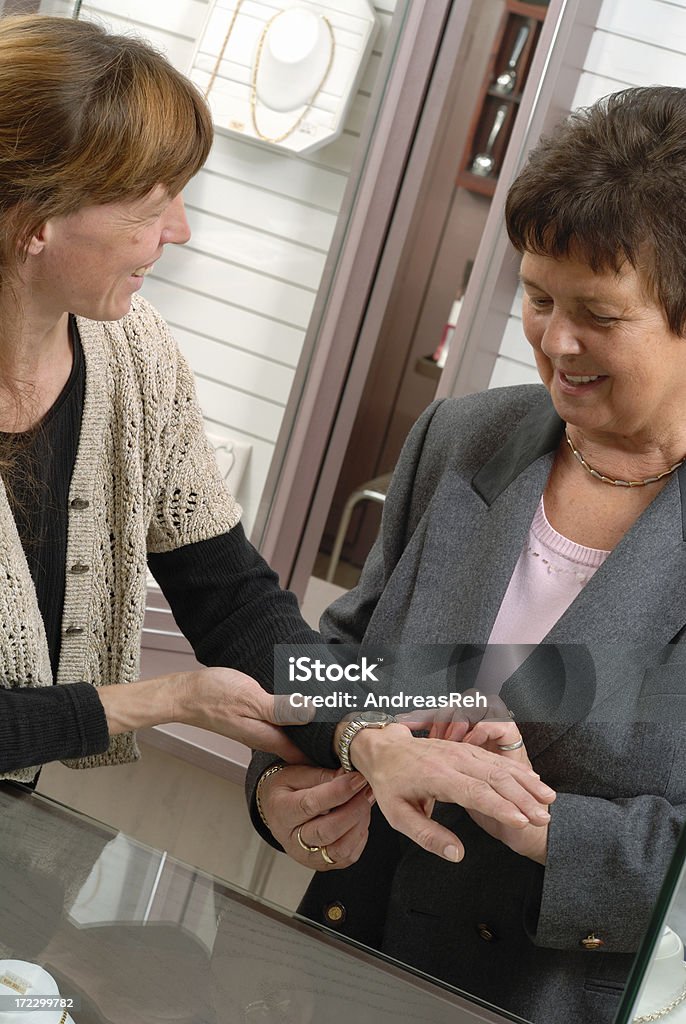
176 229
561 336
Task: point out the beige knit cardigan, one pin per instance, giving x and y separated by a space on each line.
145 479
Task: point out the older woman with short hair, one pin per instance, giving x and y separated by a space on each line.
543 516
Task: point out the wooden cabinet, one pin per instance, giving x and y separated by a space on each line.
500 95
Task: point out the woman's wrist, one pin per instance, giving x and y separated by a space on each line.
273 769
368 745
141 704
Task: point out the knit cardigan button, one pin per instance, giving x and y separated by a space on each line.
78 569
74 631
79 504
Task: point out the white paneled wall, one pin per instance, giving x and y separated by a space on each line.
239 296
636 42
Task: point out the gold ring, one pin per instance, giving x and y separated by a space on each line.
325 854
309 849
511 746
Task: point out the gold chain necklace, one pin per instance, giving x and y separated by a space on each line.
663 1011
611 480
256 68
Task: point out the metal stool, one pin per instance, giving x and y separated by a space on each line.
372 490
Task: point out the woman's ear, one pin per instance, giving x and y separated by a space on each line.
37 241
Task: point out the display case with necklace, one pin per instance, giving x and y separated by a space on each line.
294 54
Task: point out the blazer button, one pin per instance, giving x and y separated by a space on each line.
78 569
74 631
485 932
592 942
79 504
334 913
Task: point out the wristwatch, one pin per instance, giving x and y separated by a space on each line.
365 720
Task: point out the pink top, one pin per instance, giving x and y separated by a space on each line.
550 573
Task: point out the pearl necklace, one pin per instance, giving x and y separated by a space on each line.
611 480
256 68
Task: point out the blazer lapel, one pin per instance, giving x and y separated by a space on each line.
456 599
631 609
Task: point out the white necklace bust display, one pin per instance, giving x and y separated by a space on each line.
664 991
304 62
296 53
20 980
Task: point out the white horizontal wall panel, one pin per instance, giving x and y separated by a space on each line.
245 204
255 250
240 411
177 49
181 19
514 344
240 328
593 87
636 62
650 21
507 372
246 288
277 174
241 370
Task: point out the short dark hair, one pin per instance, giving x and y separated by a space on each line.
609 185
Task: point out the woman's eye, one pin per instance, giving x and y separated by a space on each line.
539 304
602 321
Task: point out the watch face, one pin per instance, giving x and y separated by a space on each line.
374 717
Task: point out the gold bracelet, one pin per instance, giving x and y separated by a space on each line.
263 777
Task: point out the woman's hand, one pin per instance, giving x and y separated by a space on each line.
529 841
408 775
331 809
222 700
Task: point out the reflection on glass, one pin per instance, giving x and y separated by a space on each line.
131 935
656 989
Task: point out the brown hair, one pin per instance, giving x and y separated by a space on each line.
609 185
87 118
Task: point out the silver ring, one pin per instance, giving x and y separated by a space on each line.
308 849
325 854
511 746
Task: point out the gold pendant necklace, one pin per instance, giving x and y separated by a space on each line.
615 482
256 68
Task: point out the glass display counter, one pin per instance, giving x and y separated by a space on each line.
656 987
131 936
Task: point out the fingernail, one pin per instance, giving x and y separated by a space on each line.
452 853
371 798
542 815
359 783
522 817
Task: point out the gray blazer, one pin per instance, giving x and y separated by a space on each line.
497 925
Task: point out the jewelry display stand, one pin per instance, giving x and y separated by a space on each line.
664 991
283 74
20 980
